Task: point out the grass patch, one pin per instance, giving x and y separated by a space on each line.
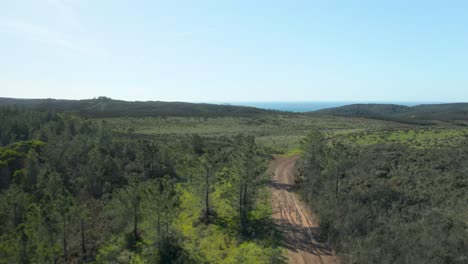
274 133
292 152
419 138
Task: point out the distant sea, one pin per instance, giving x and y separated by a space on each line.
309 106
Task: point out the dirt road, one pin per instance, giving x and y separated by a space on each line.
298 225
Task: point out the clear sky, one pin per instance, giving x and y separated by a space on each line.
243 50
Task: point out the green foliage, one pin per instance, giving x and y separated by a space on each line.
214 243
74 191
18 161
415 137
389 203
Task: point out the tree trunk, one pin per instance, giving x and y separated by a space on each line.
167 227
245 200
159 224
207 199
15 216
337 179
65 252
24 245
135 223
241 207
83 247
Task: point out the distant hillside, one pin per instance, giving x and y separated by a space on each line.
415 114
106 107
364 110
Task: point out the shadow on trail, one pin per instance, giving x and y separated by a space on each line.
302 238
283 186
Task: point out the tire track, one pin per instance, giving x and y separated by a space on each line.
298 225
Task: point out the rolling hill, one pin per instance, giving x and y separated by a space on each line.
409 114
107 107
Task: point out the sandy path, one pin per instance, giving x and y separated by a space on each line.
298 225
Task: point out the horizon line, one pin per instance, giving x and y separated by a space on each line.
244 101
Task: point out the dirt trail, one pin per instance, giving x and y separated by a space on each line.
298 225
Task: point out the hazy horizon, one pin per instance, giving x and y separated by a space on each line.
290 106
243 101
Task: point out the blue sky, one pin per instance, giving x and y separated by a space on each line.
235 50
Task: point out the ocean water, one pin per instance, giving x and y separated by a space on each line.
309 106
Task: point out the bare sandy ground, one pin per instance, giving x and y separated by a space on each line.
297 224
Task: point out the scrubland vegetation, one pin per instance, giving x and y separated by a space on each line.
277 133
390 196
438 137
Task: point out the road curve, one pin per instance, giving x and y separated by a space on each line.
297 224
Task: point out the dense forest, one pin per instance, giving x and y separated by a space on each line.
388 202
74 191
